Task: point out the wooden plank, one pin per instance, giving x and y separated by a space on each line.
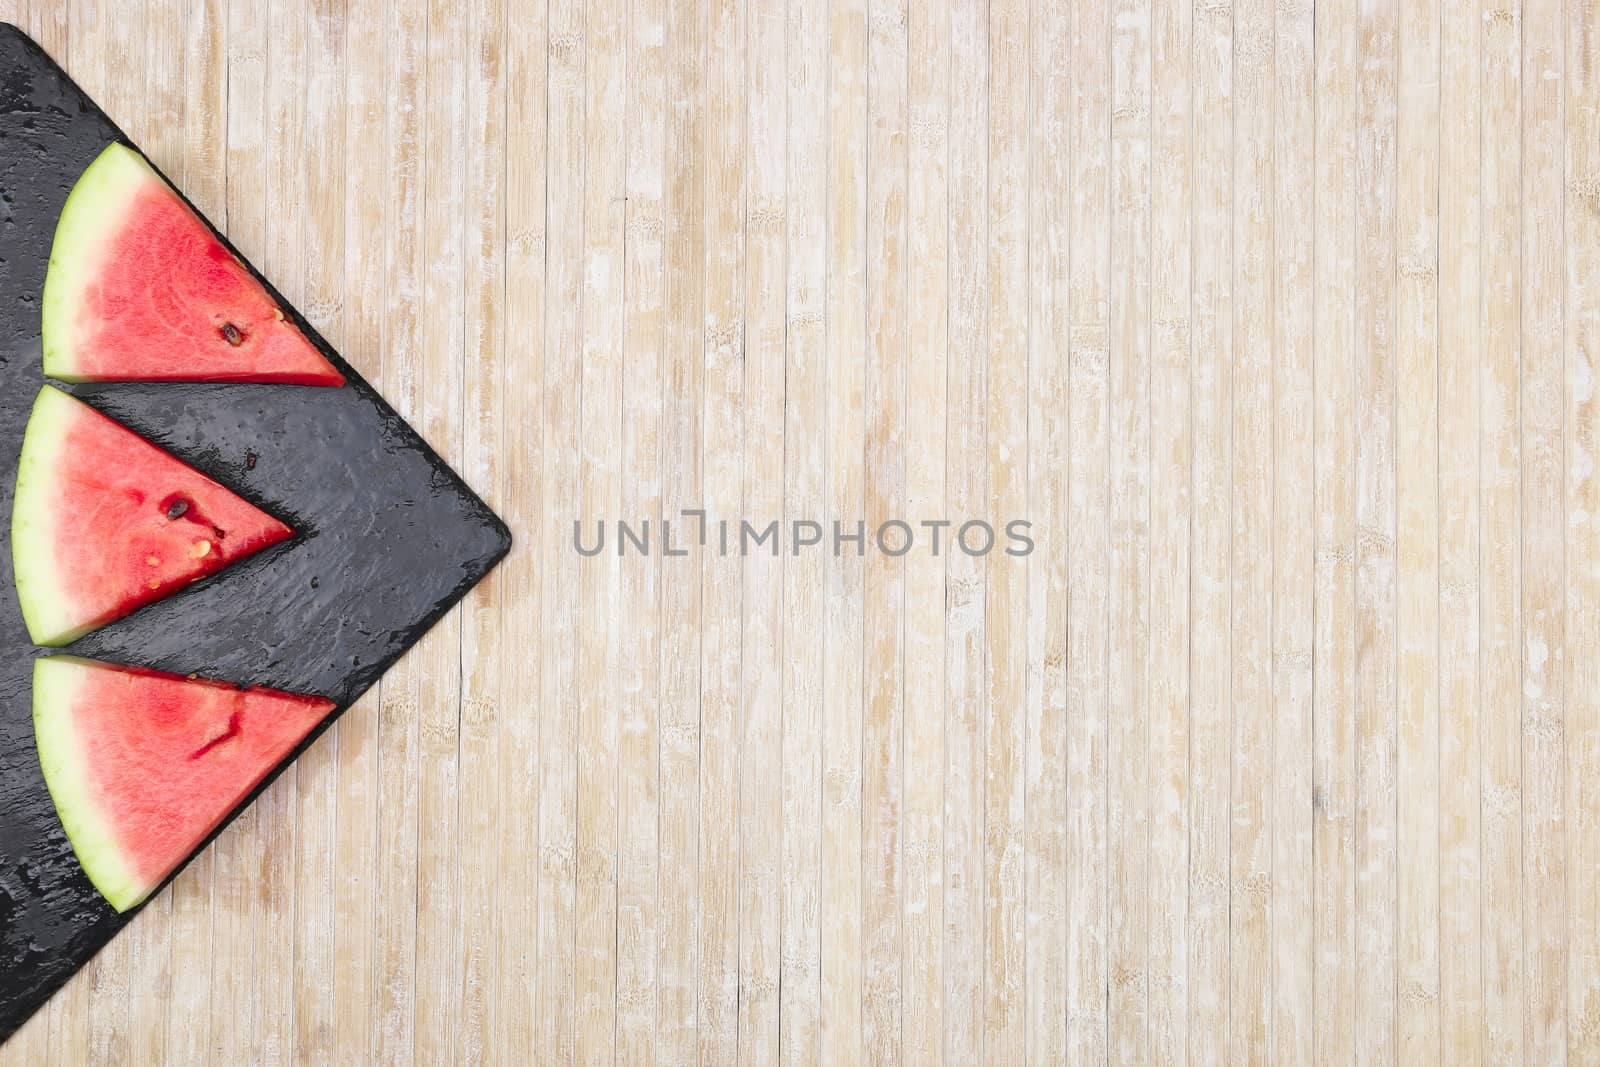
1250 451
684 251
481 796
1006 423
559 695
966 488
883 596
439 417
1294 994
1544 565
804 492
395 922
1128 527
604 177
762 611
1459 355
1581 183
320 172
721 488
846 429
356 735
1088 539
1171 451
638 786
522 576
926 459
1417 548
1500 406
1333 651
1209 647
1049 455
1375 694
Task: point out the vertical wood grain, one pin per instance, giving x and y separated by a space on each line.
1333 648
638 784
523 668
1047 916
1294 1000
1581 343
1128 524
883 597
604 178
804 500
684 265
1417 548
846 429
556 1012
1500 555
1089 540
1376 97
1293 535
1210 560
484 705
926 452
762 618
1005 965
1171 465
723 354
1461 976
439 371
966 494
1544 563
1251 896
395 922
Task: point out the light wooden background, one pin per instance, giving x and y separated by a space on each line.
1278 320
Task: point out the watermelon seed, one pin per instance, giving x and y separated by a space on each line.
232 334
177 509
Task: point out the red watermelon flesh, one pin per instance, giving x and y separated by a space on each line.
140 289
143 766
105 522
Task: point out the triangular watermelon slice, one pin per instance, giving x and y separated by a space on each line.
140 289
142 766
105 522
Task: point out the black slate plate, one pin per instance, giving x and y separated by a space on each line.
389 539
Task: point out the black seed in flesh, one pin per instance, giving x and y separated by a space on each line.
232 334
177 509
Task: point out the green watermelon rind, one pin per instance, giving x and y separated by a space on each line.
55 684
93 212
46 609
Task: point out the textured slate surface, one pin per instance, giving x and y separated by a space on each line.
389 535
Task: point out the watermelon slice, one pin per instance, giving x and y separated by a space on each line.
142 766
140 289
105 522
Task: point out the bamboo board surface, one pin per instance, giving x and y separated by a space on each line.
1277 320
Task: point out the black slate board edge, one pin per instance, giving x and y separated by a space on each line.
38 981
